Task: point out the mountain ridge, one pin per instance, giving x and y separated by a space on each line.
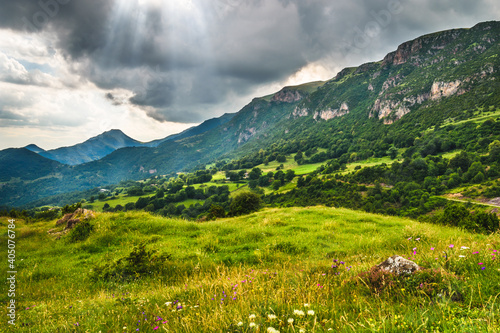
399 100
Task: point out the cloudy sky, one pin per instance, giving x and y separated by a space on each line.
72 69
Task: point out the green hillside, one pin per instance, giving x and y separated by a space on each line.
215 276
425 98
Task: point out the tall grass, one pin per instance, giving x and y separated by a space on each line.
290 269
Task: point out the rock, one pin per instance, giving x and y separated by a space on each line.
64 219
399 265
71 223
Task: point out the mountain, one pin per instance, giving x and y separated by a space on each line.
93 149
25 164
421 98
34 148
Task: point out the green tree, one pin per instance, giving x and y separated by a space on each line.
245 203
392 152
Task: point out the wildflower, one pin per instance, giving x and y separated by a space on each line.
271 316
302 330
480 264
432 249
464 248
252 325
290 321
252 316
417 239
307 305
299 313
156 328
168 303
451 246
409 238
483 268
310 313
461 256
475 252
272 330
240 323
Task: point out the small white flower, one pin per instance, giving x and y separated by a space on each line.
330 329
464 248
272 330
299 313
240 323
168 303
462 256
307 305
302 330
252 325
290 321
271 316
310 313
252 316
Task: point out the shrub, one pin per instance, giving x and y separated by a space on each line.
80 232
137 263
245 203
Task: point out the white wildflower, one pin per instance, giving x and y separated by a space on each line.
271 316
310 313
290 321
299 313
302 330
461 256
252 325
307 305
240 323
272 330
464 248
168 303
252 316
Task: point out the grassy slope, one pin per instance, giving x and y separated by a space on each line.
286 254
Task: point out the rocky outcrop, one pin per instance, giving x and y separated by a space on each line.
300 112
386 108
287 96
399 265
444 89
247 134
409 49
332 113
73 219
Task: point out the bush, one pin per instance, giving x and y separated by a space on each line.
80 232
137 263
245 203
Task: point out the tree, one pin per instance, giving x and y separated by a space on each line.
216 211
245 203
392 152
281 158
494 150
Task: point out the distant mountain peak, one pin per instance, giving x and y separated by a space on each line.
34 148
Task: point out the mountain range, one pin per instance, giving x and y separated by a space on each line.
439 79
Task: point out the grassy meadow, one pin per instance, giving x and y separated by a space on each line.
286 270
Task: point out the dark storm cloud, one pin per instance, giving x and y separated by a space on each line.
181 64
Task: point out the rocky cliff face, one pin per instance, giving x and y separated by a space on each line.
330 114
287 96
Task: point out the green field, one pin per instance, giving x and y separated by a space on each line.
249 273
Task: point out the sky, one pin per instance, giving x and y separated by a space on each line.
72 69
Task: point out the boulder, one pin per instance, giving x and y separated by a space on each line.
64 219
71 223
399 265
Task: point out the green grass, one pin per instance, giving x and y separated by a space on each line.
122 199
372 161
273 262
290 164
